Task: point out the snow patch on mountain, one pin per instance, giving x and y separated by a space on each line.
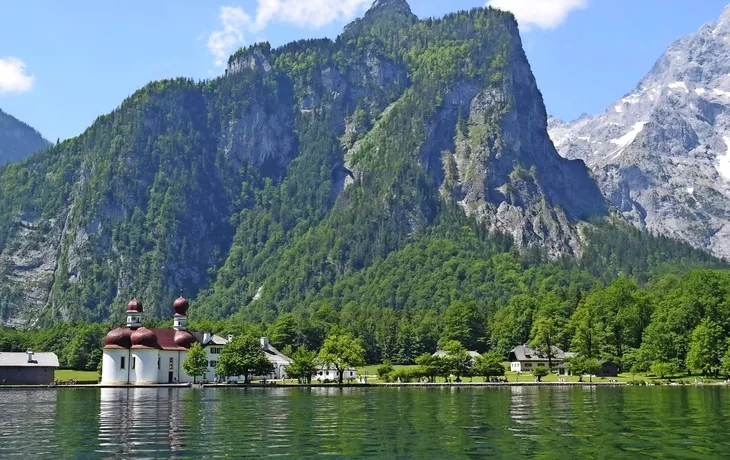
678 85
723 161
626 139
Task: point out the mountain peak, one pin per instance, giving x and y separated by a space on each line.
390 6
723 22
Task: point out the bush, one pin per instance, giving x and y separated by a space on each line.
385 370
540 372
405 375
664 369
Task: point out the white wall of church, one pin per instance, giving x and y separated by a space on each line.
112 372
169 365
144 366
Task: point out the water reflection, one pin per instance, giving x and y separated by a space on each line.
513 422
16 437
142 421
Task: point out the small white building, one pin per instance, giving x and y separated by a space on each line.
443 354
330 373
277 359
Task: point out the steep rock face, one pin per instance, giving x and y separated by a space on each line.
661 153
508 172
18 140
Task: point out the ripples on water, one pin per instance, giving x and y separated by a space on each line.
514 422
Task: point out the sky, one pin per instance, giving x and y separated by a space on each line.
62 64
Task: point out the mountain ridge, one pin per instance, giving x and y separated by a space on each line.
660 153
18 139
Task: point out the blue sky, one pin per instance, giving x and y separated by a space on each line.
62 64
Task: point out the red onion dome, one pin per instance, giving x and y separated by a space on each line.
144 338
184 339
181 306
119 337
134 306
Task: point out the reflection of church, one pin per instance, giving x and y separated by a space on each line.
140 420
137 355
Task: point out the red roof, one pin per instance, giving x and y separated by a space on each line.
118 338
181 306
134 306
164 339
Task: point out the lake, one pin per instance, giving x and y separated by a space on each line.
508 422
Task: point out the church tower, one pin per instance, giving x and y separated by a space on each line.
134 314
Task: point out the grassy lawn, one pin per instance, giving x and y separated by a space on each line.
80 376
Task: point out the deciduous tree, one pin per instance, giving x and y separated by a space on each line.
243 356
195 362
489 365
706 348
341 351
303 365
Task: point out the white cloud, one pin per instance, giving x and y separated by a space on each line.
311 14
545 14
221 42
13 76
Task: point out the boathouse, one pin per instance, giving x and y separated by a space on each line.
27 368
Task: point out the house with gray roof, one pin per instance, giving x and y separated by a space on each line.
524 359
27 368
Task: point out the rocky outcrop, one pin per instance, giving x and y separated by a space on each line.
27 269
505 171
661 153
259 138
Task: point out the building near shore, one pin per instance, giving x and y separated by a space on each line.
137 355
278 360
474 355
27 368
524 359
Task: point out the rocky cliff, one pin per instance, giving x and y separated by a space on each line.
661 153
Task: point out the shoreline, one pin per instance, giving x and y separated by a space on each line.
355 385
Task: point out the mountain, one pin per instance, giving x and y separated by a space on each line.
404 165
18 140
661 153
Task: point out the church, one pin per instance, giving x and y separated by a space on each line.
136 355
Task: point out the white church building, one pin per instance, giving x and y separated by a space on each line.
137 355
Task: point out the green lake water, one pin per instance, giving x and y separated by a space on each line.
516 422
